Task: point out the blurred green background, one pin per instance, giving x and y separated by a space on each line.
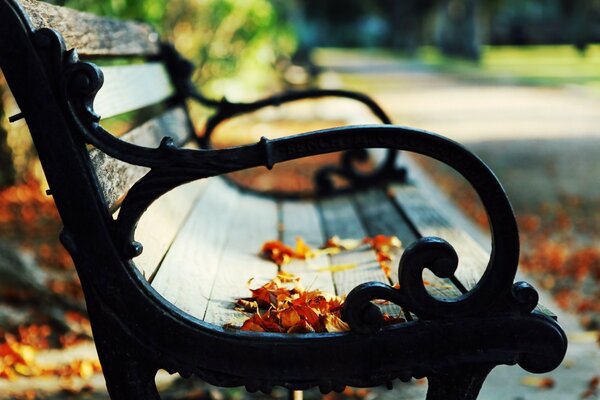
241 47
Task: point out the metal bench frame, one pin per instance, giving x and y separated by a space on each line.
455 342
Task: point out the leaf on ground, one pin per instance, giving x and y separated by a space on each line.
277 252
542 382
592 389
337 267
335 242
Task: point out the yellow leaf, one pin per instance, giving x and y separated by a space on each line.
542 382
337 268
302 249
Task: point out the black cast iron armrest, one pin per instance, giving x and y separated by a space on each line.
386 171
181 71
226 109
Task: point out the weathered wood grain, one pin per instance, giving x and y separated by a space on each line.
254 221
341 218
115 176
302 219
130 87
161 222
186 275
93 35
428 218
381 216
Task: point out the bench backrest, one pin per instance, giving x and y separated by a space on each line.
138 87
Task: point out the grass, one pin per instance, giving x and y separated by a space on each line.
548 65
531 65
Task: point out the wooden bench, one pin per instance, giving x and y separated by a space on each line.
166 306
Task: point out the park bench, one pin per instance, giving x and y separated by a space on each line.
169 304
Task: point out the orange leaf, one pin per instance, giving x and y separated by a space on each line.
383 243
301 327
308 314
277 251
388 319
289 317
334 323
253 324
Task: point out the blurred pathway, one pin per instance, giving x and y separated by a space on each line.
544 144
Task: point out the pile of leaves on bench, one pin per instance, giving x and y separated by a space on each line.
284 305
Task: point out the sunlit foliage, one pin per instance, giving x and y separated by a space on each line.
226 39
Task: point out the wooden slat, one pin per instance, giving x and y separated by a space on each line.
382 217
130 87
301 219
116 177
340 218
430 221
93 35
186 275
255 221
161 222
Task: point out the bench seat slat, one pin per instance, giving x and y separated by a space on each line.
187 272
430 222
93 35
255 220
131 87
302 219
382 217
116 177
341 218
162 221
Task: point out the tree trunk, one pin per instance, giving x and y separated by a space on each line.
458 34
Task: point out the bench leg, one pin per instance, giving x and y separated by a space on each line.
463 384
128 376
127 379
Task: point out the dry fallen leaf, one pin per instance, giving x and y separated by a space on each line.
335 242
592 389
292 310
538 381
276 307
277 251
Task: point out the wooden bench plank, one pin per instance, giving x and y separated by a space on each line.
161 222
302 219
93 35
127 88
116 177
381 216
186 274
254 221
341 218
427 218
